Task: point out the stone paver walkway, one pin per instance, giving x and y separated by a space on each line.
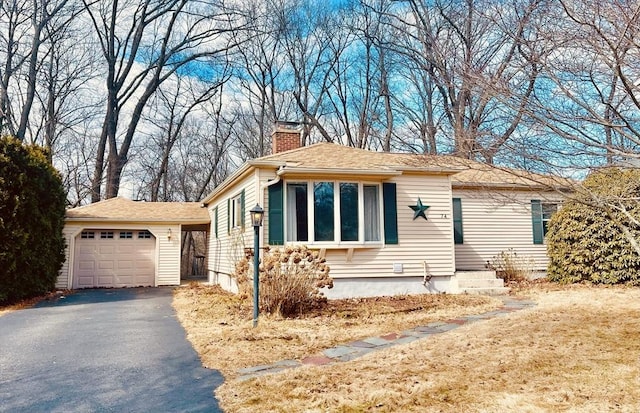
355 349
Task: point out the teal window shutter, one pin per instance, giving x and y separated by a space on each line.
215 221
229 212
390 213
457 221
242 212
536 220
276 214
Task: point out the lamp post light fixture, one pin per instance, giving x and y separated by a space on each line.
257 213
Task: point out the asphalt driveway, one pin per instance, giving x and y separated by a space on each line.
103 350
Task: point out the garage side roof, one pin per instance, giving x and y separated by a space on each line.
125 210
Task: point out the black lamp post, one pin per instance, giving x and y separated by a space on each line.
257 213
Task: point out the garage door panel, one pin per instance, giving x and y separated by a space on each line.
86 249
125 280
85 265
144 264
107 249
84 282
105 280
105 265
114 262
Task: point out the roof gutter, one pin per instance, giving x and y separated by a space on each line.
268 184
283 171
144 220
505 185
435 171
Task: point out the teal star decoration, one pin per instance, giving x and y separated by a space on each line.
418 209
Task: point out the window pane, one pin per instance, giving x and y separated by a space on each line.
297 214
349 212
237 211
547 212
323 211
458 237
371 213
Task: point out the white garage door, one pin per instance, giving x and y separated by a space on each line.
114 258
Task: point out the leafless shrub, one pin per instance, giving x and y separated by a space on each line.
510 266
290 280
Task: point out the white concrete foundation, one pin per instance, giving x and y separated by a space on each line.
223 280
376 287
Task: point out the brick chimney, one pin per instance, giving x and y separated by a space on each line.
286 136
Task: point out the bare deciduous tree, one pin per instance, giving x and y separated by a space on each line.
473 54
143 44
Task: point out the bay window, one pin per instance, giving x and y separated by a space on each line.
339 212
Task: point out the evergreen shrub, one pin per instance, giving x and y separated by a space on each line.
585 240
32 207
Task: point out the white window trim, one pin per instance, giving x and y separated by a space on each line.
236 205
337 242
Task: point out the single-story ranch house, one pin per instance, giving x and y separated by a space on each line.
387 223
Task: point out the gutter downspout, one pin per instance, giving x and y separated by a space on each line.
269 183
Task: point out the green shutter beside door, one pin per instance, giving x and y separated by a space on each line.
276 214
390 213
536 220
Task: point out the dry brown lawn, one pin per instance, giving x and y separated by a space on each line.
578 350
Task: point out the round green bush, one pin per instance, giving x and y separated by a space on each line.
32 207
585 239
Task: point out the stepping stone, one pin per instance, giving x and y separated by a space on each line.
339 351
317 360
406 339
361 343
391 336
428 330
376 341
352 356
448 327
286 363
255 369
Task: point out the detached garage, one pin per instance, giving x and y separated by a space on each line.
124 243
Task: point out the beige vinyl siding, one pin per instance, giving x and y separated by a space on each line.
167 256
494 221
419 240
63 281
228 248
